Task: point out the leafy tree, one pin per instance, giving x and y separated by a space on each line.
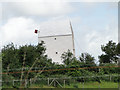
109 55
0 57
87 59
118 50
32 56
67 57
118 55
9 56
104 58
27 56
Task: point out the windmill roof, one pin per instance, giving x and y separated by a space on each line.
54 28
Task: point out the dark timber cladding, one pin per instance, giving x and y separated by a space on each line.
55 36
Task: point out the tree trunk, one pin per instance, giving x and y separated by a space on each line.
22 73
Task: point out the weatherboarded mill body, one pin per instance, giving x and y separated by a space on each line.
58 38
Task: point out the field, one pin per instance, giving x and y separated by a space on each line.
103 84
94 85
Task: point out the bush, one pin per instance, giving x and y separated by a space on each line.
75 86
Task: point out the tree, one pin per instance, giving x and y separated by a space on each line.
109 55
104 59
118 50
0 57
87 58
9 55
67 57
24 58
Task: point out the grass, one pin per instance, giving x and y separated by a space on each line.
40 86
94 85
103 84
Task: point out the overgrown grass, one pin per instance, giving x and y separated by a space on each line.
93 85
103 84
40 86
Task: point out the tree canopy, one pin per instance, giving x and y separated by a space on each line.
27 58
111 52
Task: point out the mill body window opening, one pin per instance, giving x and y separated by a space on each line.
56 52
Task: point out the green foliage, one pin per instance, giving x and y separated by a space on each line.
86 58
30 57
75 86
118 49
9 56
108 69
111 50
0 57
67 57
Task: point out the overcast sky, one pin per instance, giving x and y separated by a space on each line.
94 23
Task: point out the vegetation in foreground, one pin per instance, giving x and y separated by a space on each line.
103 84
27 60
94 85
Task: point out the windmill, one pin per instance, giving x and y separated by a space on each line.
58 37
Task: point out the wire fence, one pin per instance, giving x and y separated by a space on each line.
49 67
65 82
49 70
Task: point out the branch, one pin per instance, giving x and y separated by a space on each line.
38 73
23 66
30 70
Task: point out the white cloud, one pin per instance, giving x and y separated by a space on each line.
91 41
38 8
98 0
0 13
21 30
18 30
60 0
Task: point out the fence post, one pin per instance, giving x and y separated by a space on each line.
25 83
54 83
110 77
30 81
99 86
13 82
83 84
48 81
64 83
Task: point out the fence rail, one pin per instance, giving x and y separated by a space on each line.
49 70
57 82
